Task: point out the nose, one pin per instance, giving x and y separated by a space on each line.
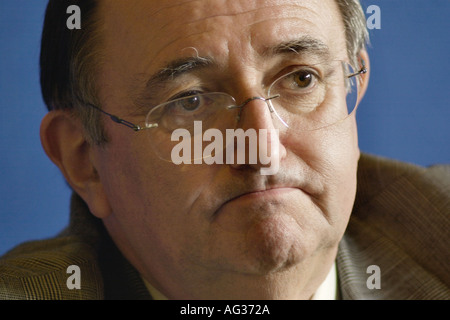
261 145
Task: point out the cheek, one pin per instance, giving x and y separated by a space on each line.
332 154
150 194
151 199
141 180
328 151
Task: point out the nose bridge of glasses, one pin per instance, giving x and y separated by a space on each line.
256 98
256 112
247 101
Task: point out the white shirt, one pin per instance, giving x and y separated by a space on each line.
328 288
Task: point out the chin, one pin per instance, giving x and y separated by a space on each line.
276 244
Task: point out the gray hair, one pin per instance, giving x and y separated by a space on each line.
356 32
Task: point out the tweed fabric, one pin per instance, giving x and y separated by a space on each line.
400 223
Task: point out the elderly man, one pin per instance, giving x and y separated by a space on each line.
214 226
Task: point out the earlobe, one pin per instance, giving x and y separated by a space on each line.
63 140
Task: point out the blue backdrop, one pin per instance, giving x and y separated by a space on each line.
405 114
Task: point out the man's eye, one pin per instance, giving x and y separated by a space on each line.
299 82
303 79
190 103
189 100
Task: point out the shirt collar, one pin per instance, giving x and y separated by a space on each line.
328 288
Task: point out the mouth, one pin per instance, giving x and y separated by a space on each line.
269 195
285 189
266 194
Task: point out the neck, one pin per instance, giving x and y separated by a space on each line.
299 282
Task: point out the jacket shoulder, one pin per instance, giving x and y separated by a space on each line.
376 174
39 270
400 223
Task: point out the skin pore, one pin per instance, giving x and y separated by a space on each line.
218 231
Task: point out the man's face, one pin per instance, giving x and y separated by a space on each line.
225 225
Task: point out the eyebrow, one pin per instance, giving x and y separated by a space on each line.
178 67
305 45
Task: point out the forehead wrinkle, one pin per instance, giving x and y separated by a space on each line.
175 5
202 15
190 23
177 39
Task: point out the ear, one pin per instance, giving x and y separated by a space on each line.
63 139
365 76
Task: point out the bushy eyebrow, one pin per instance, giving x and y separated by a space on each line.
305 45
178 67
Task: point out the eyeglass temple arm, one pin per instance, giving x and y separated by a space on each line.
118 120
361 71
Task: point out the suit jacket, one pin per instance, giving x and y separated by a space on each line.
400 223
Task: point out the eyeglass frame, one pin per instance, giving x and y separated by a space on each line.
137 128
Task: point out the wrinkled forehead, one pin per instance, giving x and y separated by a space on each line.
151 31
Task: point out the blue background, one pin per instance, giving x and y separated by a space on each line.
405 114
